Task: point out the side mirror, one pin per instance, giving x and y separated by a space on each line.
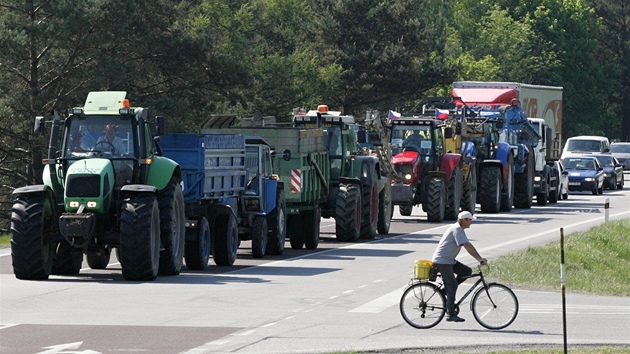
286 155
39 125
548 140
500 124
161 125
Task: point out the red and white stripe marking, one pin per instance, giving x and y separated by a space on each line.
296 181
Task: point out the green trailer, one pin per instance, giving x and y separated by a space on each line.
301 160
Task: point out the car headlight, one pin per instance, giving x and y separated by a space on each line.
589 179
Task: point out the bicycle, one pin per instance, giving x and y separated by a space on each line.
423 303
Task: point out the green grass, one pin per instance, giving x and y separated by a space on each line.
5 240
596 261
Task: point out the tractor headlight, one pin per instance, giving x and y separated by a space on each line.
408 176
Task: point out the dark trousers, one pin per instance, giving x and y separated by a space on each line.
448 272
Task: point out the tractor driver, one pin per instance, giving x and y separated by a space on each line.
414 140
111 142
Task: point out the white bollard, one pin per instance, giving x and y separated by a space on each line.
606 206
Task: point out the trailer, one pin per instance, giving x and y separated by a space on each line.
298 156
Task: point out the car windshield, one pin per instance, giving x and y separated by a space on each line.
606 161
620 148
579 164
110 135
583 145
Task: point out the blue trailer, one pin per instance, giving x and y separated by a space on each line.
230 195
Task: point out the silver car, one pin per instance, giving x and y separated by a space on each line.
564 180
622 152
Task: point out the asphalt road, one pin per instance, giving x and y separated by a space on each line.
340 297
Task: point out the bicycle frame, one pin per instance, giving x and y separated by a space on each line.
481 280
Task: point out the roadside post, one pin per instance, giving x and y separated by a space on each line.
562 283
606 207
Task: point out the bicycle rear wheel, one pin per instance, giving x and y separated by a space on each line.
422 305
494 306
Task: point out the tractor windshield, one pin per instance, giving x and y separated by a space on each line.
98 136
414 138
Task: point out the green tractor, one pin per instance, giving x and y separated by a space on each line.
359 195
106 186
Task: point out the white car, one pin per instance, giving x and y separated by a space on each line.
564 180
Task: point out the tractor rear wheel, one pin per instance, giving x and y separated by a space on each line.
523 195
385 209
507 194
312 220
31 250
140 237
259 236
348 213
454 193
369 219
277 221
490 194
172 228
435 204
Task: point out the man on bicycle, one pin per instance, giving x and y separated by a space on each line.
444 260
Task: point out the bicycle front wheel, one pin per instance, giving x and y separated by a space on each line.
494 306
422 305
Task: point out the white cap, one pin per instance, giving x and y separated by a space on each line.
466 215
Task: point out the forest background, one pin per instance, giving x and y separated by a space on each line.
188 59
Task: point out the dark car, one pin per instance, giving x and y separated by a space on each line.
613 172
622 152
585 174
563 186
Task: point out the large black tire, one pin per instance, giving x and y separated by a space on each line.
31 250
524 194
543 197
405 209
454 194
172 228
613 183
67 260
277 222
469 191
435 204
369 210
259 236
225 240
490 193
554 194
294 230
140 237
385 209
507 193
197 252
348 213
312 220
99 259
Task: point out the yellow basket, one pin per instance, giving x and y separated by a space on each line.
422 269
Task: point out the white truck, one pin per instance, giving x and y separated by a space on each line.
543 107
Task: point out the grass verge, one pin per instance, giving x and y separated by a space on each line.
5 240
596 261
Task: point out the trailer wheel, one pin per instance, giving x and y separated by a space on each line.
435 203
172 228
259 236
100 258
277 221
312 220
348 213
385 209
454 190
197 250
490 197
507 194
405 209
31 250
523 195
140 237
67 260
469 191
225 240
369 209
295 229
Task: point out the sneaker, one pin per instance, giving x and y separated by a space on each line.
455 319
